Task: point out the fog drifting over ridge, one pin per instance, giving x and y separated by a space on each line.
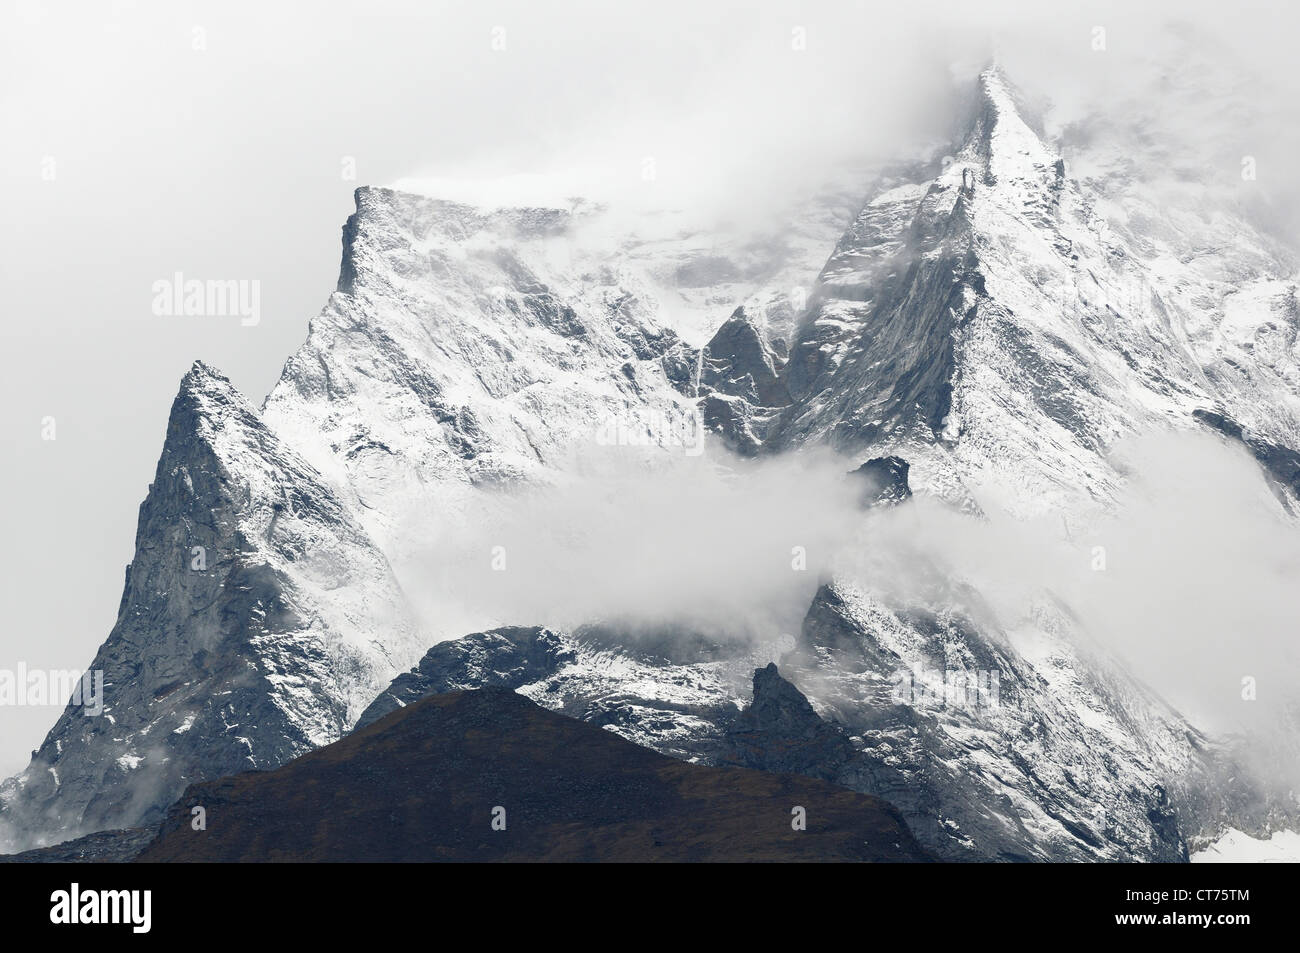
785 93
1187 579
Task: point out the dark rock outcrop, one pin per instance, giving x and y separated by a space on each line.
102 847
1281 464
780 731
738 362
884 481
507 657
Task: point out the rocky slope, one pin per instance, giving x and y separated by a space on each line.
102 847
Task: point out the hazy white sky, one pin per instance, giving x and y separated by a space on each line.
142 139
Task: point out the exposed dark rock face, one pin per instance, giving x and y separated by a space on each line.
501 658
741 387
658 688
884 481
780 731
731 418
1282 464
738 362
426 782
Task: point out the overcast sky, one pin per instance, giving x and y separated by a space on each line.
143 139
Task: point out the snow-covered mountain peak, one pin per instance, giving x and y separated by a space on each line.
986 321
210 408
1002 128
257 621
386 217
208 394
468 348
201 375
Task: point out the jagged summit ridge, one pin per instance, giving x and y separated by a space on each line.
382 212
468 350
981 319
1001 135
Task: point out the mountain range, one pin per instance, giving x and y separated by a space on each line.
986 317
